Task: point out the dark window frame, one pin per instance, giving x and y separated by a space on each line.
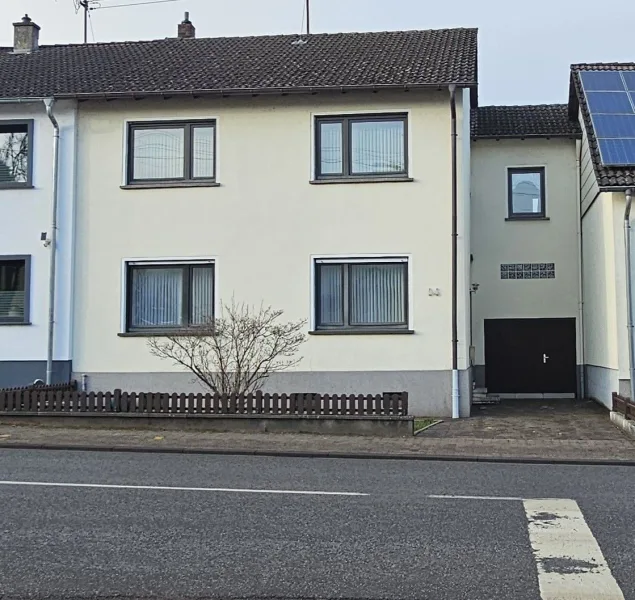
511 215
187 268
9 185
188 140
346 265
346 122
25 319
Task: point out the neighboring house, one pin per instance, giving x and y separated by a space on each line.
318 174
26 197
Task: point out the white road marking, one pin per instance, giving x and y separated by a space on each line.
570 563
109 486
450 497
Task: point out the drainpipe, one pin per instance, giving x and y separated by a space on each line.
629 288
50 103
578 163
456 399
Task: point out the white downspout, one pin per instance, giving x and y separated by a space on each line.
629 288
578 167
50 103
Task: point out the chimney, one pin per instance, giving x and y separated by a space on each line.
26 35
186 29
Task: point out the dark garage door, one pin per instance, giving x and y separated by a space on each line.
530 356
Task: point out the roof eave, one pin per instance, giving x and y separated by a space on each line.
262 91
533 136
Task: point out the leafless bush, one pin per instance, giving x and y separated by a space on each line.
237 351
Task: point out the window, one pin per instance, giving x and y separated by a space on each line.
526 193
361 147
14 289
16 141
361 294
172 152
169 296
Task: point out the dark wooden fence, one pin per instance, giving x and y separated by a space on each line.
39 400
624 406
67 386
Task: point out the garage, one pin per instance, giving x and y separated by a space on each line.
530 356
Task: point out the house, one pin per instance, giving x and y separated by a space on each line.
351 180
27 134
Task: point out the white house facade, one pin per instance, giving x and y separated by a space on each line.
26 204
430 244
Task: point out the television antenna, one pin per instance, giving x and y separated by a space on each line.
87 6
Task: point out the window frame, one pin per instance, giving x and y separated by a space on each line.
518 216
25 319
186 314
347 120
347 327
188 139
11 185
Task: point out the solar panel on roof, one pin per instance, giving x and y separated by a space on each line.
617 152
612 109
629 79
614 126
609 103
602 81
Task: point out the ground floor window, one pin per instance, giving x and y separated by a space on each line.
362 294
14 289
169 296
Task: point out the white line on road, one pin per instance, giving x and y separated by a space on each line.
450 497
109 486
570 563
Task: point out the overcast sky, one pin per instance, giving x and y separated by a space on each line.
524 56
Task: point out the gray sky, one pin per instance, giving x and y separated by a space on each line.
524 52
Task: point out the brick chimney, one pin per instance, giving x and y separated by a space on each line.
26 35
186 29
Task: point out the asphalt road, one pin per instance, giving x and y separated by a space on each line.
142 538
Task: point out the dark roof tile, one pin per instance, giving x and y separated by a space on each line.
541 120
243 64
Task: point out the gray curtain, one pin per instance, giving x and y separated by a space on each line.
157 297
378 294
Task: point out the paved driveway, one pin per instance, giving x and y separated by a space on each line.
534 420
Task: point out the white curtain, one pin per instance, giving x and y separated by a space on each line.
378 294
157 297
526 193
203 152
159 153
331 295
330 148
202 294
377 147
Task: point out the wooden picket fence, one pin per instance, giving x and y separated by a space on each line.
67 386
39 400
624 406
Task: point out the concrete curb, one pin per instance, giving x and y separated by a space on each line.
307 454
620 421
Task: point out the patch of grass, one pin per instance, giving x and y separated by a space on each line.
422 422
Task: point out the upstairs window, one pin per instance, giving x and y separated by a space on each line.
352 147
526 193
172 152
169 296
361 294
15 153
14 289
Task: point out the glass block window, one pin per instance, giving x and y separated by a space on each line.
528 271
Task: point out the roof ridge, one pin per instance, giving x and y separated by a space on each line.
264 37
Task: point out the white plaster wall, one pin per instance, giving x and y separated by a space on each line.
496 241
24 214
264 223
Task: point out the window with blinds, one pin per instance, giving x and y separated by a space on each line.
169 296
172 152
364 294
14 289
361 146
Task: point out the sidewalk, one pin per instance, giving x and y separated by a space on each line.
544 433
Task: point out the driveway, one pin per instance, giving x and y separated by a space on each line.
572 420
